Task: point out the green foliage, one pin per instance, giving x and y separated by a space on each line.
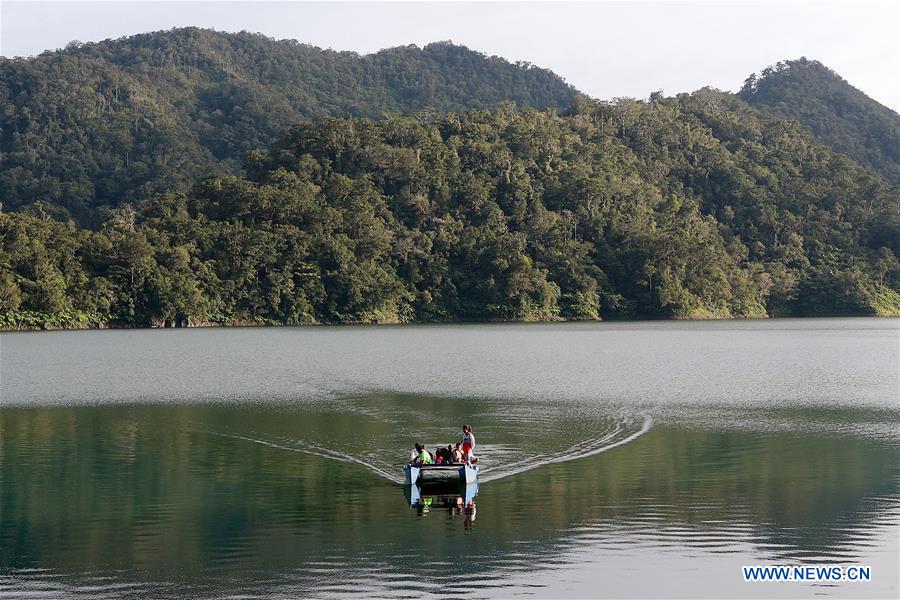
837 113
697 206
688 207
98 125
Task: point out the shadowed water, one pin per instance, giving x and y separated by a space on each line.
145 486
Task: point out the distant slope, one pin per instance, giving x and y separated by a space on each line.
837 113
116 121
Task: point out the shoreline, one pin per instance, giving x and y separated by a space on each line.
251 324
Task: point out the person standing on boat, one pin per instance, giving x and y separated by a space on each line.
468 443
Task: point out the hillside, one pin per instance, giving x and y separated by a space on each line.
837 113
100 124
695 206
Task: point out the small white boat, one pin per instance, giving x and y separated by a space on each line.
440 473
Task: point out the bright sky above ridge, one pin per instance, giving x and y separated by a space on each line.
606 49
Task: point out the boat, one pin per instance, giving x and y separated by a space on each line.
440 473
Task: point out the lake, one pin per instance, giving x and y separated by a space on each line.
649 459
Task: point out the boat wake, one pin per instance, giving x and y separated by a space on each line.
498 461
625 431
385 470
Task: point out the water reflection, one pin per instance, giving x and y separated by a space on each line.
455 499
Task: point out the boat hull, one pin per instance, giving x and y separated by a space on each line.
416 495
424 474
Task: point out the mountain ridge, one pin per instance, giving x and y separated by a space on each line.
95 125
186 187
110 122
836 112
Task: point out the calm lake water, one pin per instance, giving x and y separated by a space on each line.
619 460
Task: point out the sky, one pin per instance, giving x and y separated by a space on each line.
605 49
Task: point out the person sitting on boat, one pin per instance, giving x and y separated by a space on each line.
458 456
422 457
448 454
438 455
468 444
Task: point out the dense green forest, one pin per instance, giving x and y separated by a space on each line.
97 125
193 176
689 206
837 113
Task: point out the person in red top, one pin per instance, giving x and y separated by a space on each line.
468 443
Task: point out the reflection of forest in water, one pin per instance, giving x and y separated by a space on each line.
128 488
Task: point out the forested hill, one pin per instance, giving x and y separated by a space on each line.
98 125
837 113
111 122
208 184
693 206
